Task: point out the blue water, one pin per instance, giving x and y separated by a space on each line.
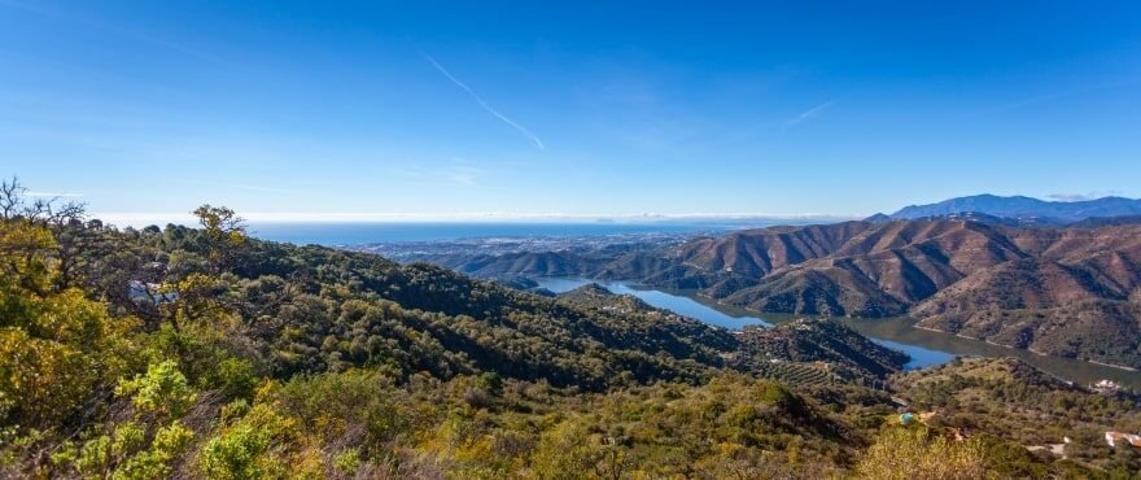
920 357
925 348
364 233
675 303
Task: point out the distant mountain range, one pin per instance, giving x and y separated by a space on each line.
1071 291
1019 207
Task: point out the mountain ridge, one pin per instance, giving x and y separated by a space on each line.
1067 291
1019 206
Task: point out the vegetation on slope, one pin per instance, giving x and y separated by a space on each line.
200 353
1008 398
1070 291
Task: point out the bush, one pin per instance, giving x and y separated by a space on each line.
235 378
254 447
913 453
163 390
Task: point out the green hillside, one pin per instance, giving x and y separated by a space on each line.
202 353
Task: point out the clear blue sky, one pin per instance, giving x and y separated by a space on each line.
536 107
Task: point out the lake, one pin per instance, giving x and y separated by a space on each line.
679 304
926 348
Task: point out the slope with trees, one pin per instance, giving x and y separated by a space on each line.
202 353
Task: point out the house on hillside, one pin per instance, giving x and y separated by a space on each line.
1105 387
1111 438
147 292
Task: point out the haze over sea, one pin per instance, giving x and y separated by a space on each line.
334 234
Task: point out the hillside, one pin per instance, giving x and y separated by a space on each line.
1009 399
1018 207
1069 291
847 354
201 353
840 354
1060 291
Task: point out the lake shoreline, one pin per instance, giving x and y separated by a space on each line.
929 329
904 332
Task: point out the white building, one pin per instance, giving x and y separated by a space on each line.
1111 438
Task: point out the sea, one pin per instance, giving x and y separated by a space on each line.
344 234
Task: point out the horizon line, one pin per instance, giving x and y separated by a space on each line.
156 218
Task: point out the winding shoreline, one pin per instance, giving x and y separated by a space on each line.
964 337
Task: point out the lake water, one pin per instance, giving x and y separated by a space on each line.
926 348
339 234
679 304
721 317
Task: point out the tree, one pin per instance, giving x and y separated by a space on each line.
225 234
63 219
14 205
56 347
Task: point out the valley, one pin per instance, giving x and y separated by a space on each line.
1068 292
550 240
204 353
926 348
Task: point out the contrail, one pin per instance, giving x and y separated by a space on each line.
808 114
534 139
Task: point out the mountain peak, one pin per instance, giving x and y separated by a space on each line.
1019 206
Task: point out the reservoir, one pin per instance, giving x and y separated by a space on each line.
926 348
678 304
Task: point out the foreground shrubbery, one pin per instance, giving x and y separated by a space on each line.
184 353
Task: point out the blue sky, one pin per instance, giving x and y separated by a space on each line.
434 109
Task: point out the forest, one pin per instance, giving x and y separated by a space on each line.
180 352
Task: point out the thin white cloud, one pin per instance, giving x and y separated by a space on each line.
809 114
482 103
1080 197
1069 197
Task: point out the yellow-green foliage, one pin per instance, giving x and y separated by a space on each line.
124 454
169 442
255 446
143 448
162 390
275 361
56 347
1011 400
911 453
567 451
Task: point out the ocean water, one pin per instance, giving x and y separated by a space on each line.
336 234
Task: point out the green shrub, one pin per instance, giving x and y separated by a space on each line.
162 390
347 461
253 448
